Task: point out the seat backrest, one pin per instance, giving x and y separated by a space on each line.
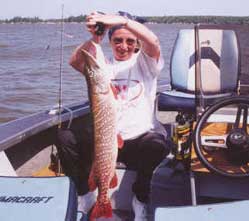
219 52
38 198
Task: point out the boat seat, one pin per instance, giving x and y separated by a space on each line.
216 212
38 199
219 61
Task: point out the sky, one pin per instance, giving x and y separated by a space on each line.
52 8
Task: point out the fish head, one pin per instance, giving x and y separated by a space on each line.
96 72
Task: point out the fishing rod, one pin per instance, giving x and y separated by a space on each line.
61 67
55 164
58 109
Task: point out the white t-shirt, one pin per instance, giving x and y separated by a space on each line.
135 81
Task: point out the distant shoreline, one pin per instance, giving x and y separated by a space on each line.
149 19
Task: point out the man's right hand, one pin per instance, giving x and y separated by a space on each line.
77 59
91 27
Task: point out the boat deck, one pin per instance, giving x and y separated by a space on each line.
37 166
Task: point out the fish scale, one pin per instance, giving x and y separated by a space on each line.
103 107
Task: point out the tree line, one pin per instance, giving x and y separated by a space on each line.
200 19
151 19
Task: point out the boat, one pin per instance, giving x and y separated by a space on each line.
212 185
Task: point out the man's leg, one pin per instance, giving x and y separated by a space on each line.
152 149
75 149
143 154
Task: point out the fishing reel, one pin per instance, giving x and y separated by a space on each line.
99 28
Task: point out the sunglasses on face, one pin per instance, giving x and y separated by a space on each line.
129 41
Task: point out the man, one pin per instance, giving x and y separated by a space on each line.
135 67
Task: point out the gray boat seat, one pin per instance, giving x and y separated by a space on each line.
216 212
219 52
38 199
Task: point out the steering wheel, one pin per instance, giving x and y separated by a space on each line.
221 138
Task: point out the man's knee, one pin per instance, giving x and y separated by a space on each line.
65 138
156 145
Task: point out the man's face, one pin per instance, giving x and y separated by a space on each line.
123 44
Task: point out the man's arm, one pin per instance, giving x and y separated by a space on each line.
150 42
77 59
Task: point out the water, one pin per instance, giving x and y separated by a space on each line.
30 62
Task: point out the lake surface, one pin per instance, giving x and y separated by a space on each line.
30 64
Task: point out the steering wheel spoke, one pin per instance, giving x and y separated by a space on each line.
241 113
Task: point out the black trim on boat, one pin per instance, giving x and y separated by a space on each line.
23 138
18 130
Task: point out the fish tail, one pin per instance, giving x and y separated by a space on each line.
114 181
101 210
92 182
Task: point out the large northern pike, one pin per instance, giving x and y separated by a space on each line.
103 107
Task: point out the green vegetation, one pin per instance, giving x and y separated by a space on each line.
19 19
154 19
200 19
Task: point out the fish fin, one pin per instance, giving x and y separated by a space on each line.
114 91
101 210
120 141
92 182
114 181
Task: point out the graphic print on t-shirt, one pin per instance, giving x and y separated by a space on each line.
128 91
